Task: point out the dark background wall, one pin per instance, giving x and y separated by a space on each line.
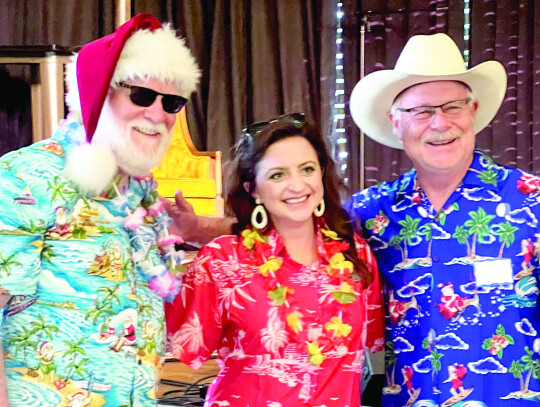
262 58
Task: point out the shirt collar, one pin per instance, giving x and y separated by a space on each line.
277 246
483 173
71 133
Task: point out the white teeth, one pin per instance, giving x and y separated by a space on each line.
296 200
145 130
438 143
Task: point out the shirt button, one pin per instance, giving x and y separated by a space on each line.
435 258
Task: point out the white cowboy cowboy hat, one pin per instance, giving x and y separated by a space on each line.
425 58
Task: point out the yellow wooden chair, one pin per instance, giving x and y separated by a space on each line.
196 173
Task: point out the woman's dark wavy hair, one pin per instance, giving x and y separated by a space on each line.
249 151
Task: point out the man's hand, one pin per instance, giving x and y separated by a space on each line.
194 229
185 221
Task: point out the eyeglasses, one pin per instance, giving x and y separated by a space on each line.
297 119
144 97
452 108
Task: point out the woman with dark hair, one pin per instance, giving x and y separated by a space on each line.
291 300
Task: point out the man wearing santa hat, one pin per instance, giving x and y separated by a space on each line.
124 92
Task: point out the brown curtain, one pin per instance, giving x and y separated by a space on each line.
388 25
61 22
40 22
260 58
15 108
509 31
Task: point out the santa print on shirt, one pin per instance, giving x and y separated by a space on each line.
470 273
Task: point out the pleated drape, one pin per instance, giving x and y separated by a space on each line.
260 59
40 22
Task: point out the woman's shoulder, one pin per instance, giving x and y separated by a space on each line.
362 249
224 262
226 247
225 243
241 248
359 240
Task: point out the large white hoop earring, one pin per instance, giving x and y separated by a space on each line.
259 211
319 210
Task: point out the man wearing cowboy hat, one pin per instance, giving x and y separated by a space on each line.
124 92
456 219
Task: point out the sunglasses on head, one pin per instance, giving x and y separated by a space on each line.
144 97
297 119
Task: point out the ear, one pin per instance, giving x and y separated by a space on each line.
475 107
394 119
247 186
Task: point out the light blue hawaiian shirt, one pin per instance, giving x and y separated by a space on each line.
82 328
461 287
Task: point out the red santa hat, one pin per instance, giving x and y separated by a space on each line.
141 48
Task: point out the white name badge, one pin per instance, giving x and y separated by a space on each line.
493 272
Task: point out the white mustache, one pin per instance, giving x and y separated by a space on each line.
441 136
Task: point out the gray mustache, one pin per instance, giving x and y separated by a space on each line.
439 136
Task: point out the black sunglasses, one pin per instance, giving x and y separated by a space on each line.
144 97
297 119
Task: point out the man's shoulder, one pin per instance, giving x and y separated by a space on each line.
508 188
384 192
486 169
502 177
43 156
521 183
34 171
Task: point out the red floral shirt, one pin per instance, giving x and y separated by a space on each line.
286 334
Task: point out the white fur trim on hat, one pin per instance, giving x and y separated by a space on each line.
425 58
158 54
91 167
72 95
147 54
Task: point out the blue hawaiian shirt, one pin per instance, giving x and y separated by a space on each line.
82 327
461 287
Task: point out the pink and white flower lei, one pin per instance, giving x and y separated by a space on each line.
148 228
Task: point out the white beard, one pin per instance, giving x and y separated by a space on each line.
135 155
